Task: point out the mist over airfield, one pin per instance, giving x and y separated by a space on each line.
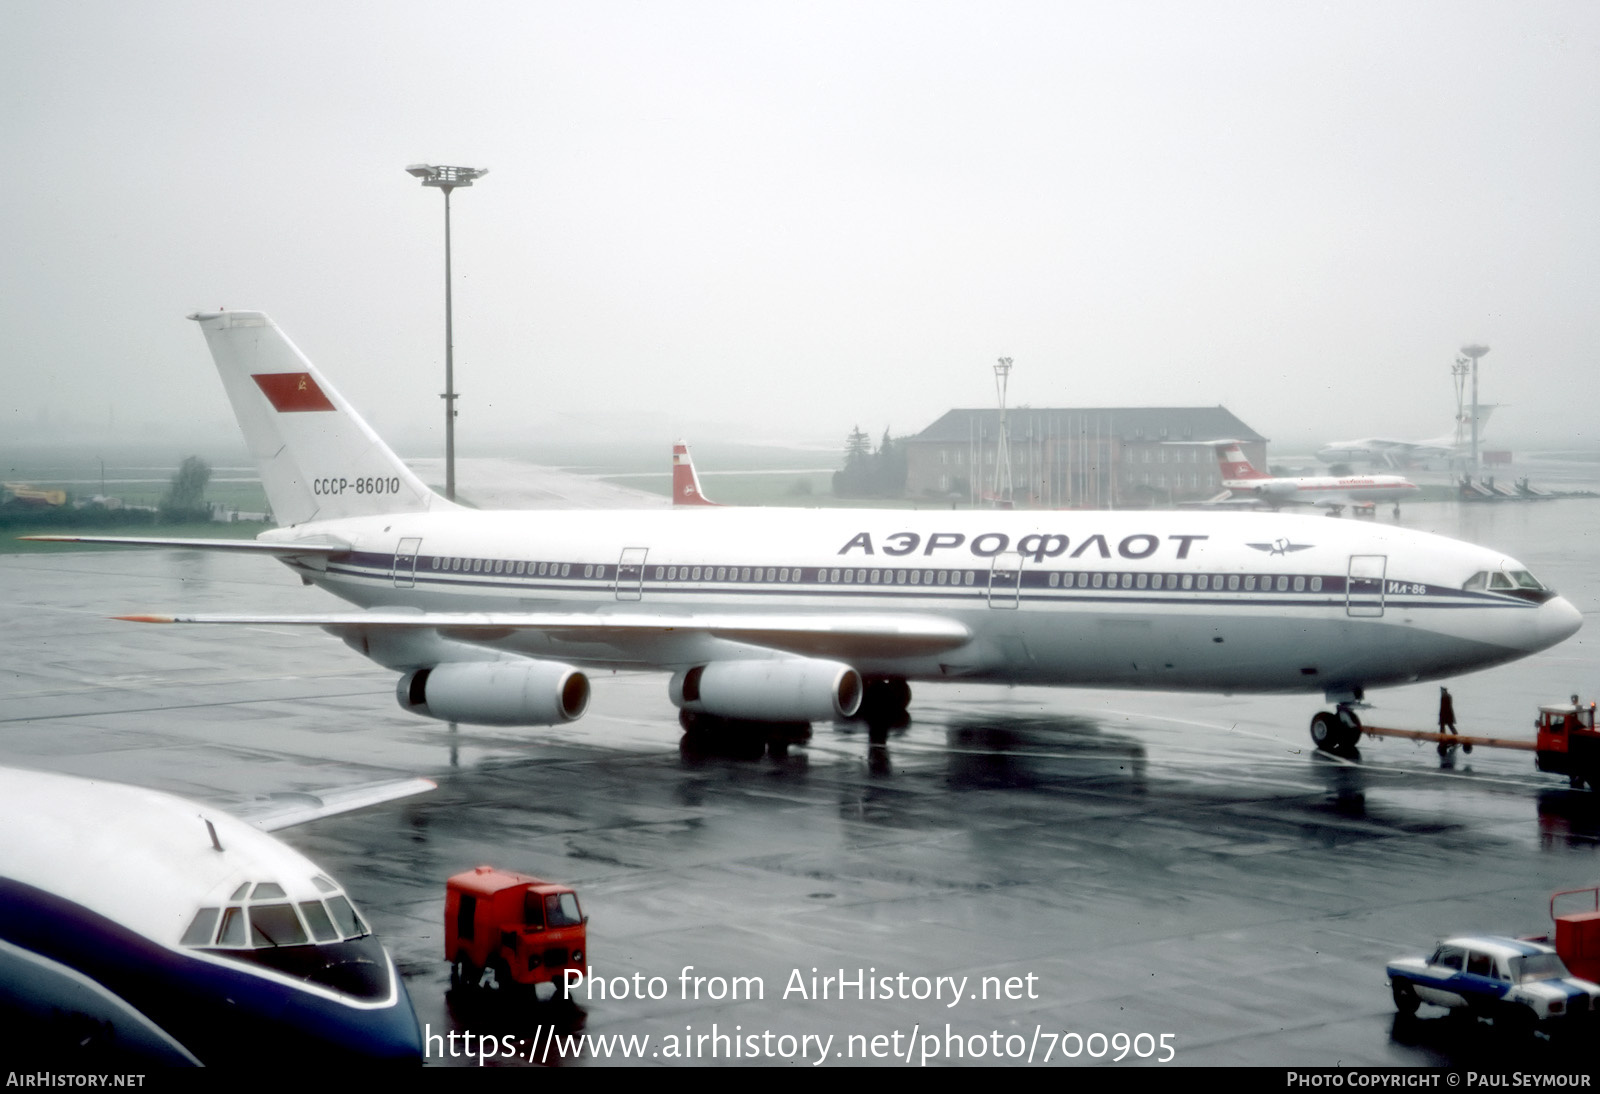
774 222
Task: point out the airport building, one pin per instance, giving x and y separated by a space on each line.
1095 457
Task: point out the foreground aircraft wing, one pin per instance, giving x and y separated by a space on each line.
243 545
286 810
834 635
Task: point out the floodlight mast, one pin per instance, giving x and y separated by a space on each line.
447 179
1474 352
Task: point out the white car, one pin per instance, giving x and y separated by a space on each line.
1515 982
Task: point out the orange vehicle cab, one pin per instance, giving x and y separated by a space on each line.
1567 743
504 930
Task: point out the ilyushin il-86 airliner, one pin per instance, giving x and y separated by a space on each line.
796 615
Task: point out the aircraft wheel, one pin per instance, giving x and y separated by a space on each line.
1405 998
1326 732
1349 729
884 701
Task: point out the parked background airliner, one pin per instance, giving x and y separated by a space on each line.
139 926
1329 491
1392 452
788 615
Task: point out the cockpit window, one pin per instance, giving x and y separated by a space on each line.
266 889
1525 580
275 925
324 884
232 933
199 932
238 894
1498 580
345 917
1479 580
322 928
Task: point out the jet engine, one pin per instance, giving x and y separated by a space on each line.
496 693
790 689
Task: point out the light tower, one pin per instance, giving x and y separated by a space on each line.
1459 373
447 179
1002 456
1473 352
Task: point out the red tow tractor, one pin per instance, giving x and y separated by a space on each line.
506 931
1567 743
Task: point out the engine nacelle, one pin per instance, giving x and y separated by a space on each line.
790 689
496 693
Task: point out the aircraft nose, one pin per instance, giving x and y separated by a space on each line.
1558 620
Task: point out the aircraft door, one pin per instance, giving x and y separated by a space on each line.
1005 580
1363 590
630 573
405 563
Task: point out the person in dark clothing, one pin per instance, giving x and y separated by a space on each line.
1447 718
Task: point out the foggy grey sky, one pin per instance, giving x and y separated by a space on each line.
792 218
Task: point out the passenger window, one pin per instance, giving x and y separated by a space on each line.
1478 963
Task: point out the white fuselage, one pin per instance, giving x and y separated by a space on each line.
1147 599
1327 489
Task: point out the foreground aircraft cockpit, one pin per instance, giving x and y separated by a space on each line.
316 935
140 927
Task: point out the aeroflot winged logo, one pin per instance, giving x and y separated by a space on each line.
1281 546
291 392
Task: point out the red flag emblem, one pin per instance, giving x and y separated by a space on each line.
292 392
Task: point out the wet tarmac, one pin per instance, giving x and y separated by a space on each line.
1119 862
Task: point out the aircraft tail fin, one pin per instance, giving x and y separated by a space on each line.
318 459
685 482
1234 463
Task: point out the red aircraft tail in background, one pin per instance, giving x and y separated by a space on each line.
685 483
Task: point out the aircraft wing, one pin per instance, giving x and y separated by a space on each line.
242 545
829 635
286 810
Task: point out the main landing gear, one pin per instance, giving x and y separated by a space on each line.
1337 732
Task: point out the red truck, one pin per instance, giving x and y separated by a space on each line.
1567 742
504 931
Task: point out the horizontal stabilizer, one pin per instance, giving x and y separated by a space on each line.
835 635
242 545
286 810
